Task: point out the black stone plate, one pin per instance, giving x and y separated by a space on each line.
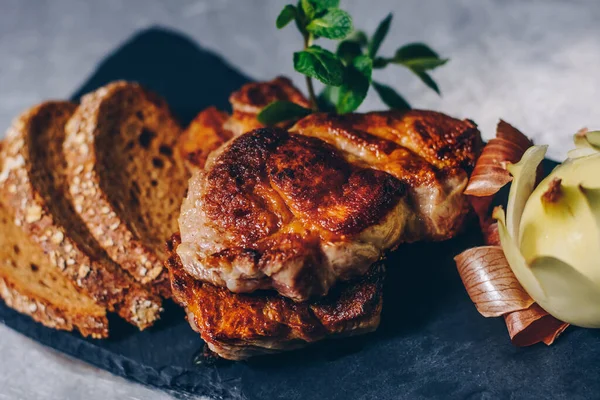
432 343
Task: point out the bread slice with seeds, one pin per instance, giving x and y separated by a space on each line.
126 175
33 186
30 284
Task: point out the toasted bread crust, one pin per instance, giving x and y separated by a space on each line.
108 139
29 190
238 326
50 314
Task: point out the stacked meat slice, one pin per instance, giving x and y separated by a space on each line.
283 229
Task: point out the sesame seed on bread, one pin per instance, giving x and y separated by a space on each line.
126 175
30 284
33 188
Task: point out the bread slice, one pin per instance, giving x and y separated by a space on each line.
33 186
30 284
126 175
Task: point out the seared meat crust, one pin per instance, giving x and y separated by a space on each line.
297 211
204 135
211 127
431 153
238 326
282 211
253 97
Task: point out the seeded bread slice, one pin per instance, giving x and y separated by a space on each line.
32 183
126 175
30 284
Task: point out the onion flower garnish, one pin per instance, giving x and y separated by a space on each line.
551 234
487 271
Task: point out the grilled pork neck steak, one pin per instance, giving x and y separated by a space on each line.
253 97
431 153
275 210
239 326
211 127
298 211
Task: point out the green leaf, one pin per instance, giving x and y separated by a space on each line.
390 97
425 63
364 65
300 20
279 111
351 47
380 34
308 9
286 16
415 50
348 51
357 79
359 37
427 79
380 62
328 98
418 56
321 5
333 24
320 64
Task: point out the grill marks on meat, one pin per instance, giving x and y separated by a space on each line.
297 211
252 185
322 188
428 151
238 326
308 212
276 210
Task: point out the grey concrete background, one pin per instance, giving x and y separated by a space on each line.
534 63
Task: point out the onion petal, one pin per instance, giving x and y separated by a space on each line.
581 152
515 258
574 296
525 177
489 279
490 282
533 325
490 174
491 235
593 138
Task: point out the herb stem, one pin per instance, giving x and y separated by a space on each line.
311 94
308 38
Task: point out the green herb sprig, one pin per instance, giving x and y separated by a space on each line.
348 73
